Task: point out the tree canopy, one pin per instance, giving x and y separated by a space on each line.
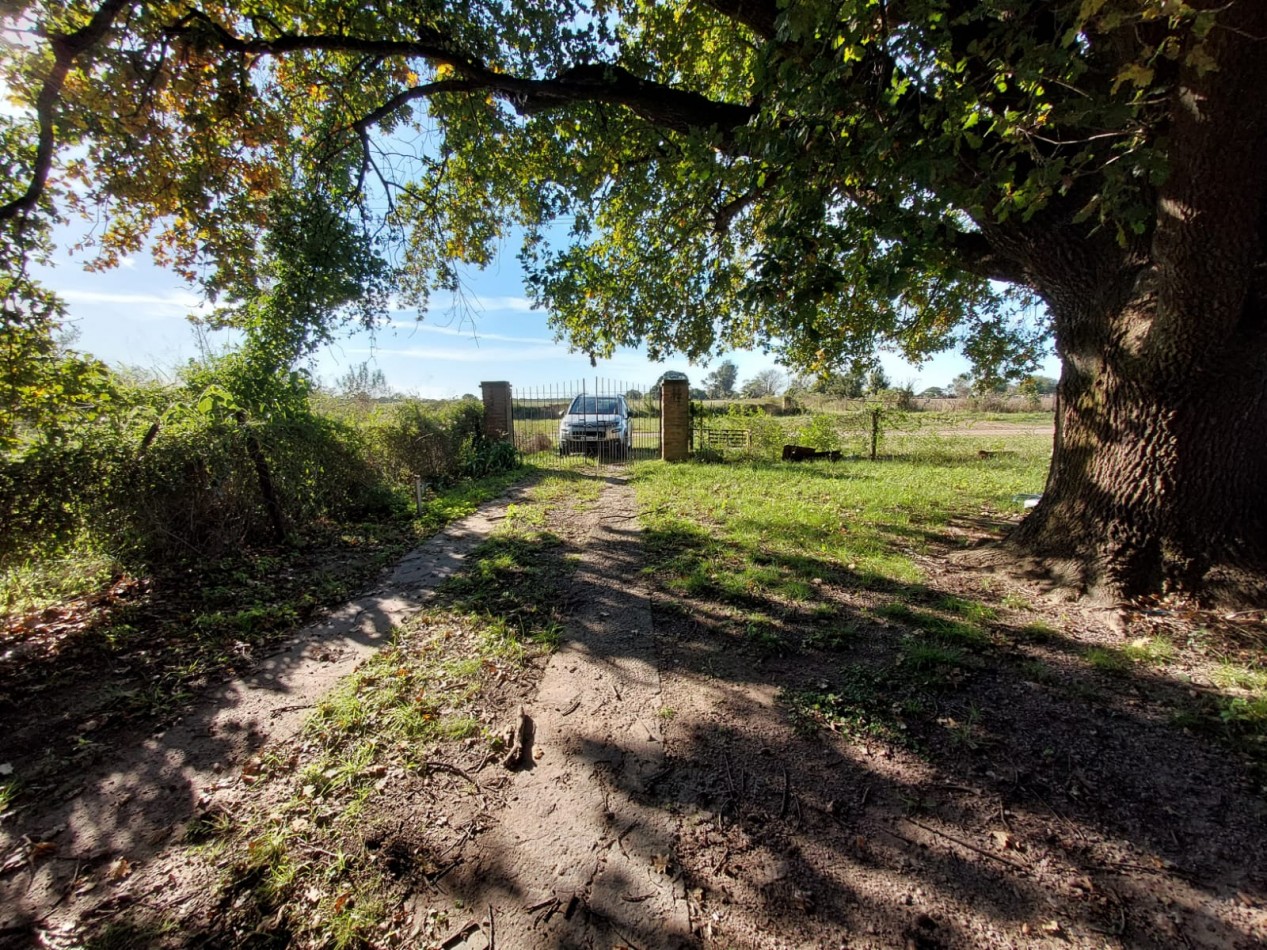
727 175
720 383
816 179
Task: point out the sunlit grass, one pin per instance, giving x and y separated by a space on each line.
727 529
424 693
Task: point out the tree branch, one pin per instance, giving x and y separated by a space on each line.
67 47
978 256
760 16
667 106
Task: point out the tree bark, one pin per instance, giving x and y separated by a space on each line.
1159 470
1155 489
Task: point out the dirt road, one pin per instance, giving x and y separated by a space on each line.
667 798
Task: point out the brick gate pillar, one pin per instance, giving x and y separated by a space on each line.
675 420
499 422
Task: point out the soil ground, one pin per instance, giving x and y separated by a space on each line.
669 798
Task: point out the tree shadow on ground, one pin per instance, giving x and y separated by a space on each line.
938 776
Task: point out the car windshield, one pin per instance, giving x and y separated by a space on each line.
594 406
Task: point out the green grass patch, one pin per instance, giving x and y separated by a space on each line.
1150 651
971 610
1039 632
35 585
926 657
943 628
1237 676
859 702
302 865
1108 660
752 527
1036 671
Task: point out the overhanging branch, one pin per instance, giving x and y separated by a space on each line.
670 108
67 47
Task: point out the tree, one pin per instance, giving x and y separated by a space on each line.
768 382
818 178
877 380
720 383
1038 385
847 384
362 383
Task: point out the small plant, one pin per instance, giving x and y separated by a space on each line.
861 702
965 733
8 791
1108 660
836 637
761 633
1246 716
926 656
1152 651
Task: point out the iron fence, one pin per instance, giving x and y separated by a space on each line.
589 421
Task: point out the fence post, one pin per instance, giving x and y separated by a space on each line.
875 431
499 421
675 420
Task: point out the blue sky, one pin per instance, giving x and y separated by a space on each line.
138 315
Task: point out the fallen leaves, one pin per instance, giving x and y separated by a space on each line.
119 870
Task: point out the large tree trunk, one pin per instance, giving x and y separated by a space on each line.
1157 484
1159 476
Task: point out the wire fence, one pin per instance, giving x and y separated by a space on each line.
588 421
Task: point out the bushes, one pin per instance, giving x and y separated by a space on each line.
433 442
149 484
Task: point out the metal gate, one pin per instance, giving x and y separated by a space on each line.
589 421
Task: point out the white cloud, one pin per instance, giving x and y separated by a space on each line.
471 334
451 303
539 350
174 303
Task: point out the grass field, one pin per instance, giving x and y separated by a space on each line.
774 524
851 558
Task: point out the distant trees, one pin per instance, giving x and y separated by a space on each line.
846 385
877 381
720 383
768 382
361 382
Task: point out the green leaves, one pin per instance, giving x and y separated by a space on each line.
680 176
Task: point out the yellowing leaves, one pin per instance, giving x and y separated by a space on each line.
1137 74
444 71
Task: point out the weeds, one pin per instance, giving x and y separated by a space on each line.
860 702
302 863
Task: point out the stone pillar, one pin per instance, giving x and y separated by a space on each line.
675 420
499 423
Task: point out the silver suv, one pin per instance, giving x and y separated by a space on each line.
596 425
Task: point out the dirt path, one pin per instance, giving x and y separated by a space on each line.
55 860
581 855
666 798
